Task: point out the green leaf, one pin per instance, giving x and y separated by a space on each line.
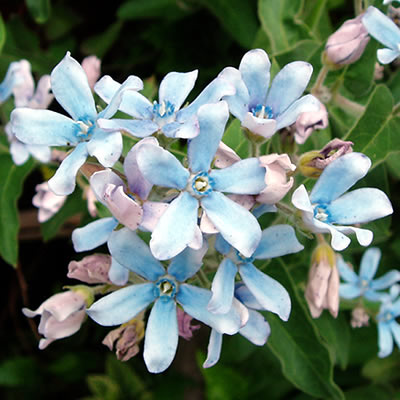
317 18
305 359
103 387
19 371
370 392
12 178
281 22
376 132
238 17
138 9
39 9
74 205
2 33
235 139
102 43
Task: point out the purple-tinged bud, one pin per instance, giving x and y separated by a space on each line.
347 44
185 326
312 163
91 269
125 339
308 122
359 317
322 291
61 315
91 65
47 202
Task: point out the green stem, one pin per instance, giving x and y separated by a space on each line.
349 106
358 7
205 283
285 209
315 90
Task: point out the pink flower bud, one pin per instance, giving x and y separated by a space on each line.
91 65
308 122
277 185
47 202
91 269
125 339
347 44
322 291
61 316
185 326
331 151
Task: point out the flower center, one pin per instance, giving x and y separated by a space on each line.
86 130
261 111
201 184
242 259
165 288
163 112
321 213
386 316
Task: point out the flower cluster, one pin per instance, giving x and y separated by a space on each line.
183 213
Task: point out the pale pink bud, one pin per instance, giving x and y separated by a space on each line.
359 318
125 339
322 291
91 269
330 152
277 185
347 44
225 156
91 65
24 87
308 122
61 316
185 326
47 202
43 96
91 201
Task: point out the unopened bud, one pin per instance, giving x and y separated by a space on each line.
91 269
359 318
347 44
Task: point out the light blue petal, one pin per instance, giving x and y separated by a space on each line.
386 56
381 27
136 127
263 209
213 349
117 273
11 79
133 103
176 228
395 308
185 130
39 152
359 206
19 152
44 127
63 181
386 280
260 126
70 86
161 168
212 93
369 263
239 102
255 69
288 85
243 294
105 146
176 86
221 245
133 253
385 340
101 179
395 327
349 290
93 234
304 104
194 301
271 295
201 149
237 225
257 329
132 83
345 271
339 176
222 288
187 263
243 177
161 338
122 305
276 241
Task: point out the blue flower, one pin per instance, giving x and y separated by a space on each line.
43 127
202 186
328 210
256 330
165 288
385 31
388 327
264 109
276 241
166 114
364 284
